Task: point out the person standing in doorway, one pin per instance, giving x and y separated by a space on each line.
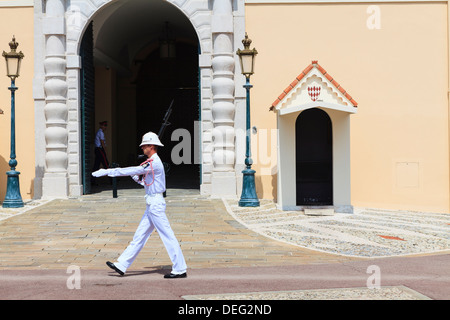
154 181
100 148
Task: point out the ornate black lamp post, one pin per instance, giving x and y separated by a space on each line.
247 60
13 199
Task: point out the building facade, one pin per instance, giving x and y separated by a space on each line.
381 142
216 27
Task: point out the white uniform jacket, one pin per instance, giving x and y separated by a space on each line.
154 176
154 216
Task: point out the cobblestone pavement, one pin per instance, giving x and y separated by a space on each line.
259 253
95 228
366 233
382 293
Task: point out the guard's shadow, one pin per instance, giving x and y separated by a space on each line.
154 270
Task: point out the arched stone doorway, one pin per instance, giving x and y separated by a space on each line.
124 28
136 80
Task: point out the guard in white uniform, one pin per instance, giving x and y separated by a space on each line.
100 147
154 182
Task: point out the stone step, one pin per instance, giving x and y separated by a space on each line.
319 211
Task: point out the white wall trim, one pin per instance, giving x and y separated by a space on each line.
286 177
17 3
333 1
317 104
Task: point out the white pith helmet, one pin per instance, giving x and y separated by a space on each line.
151 138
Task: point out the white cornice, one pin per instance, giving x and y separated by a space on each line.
17 3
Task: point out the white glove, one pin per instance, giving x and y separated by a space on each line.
100 173
137 180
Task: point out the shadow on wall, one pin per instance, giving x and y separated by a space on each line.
4 167
36 183
260 189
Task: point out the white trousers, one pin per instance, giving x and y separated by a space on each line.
154 217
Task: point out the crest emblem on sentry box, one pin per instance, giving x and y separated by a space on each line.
314 92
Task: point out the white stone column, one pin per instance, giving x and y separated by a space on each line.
223 108
55 181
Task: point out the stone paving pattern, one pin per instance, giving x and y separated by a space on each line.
366 233
95 228
382 293
215 234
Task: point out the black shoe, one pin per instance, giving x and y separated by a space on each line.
174 276
112 266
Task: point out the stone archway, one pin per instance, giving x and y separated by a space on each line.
59 29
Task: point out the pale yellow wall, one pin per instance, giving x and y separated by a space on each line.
397 74
18 22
